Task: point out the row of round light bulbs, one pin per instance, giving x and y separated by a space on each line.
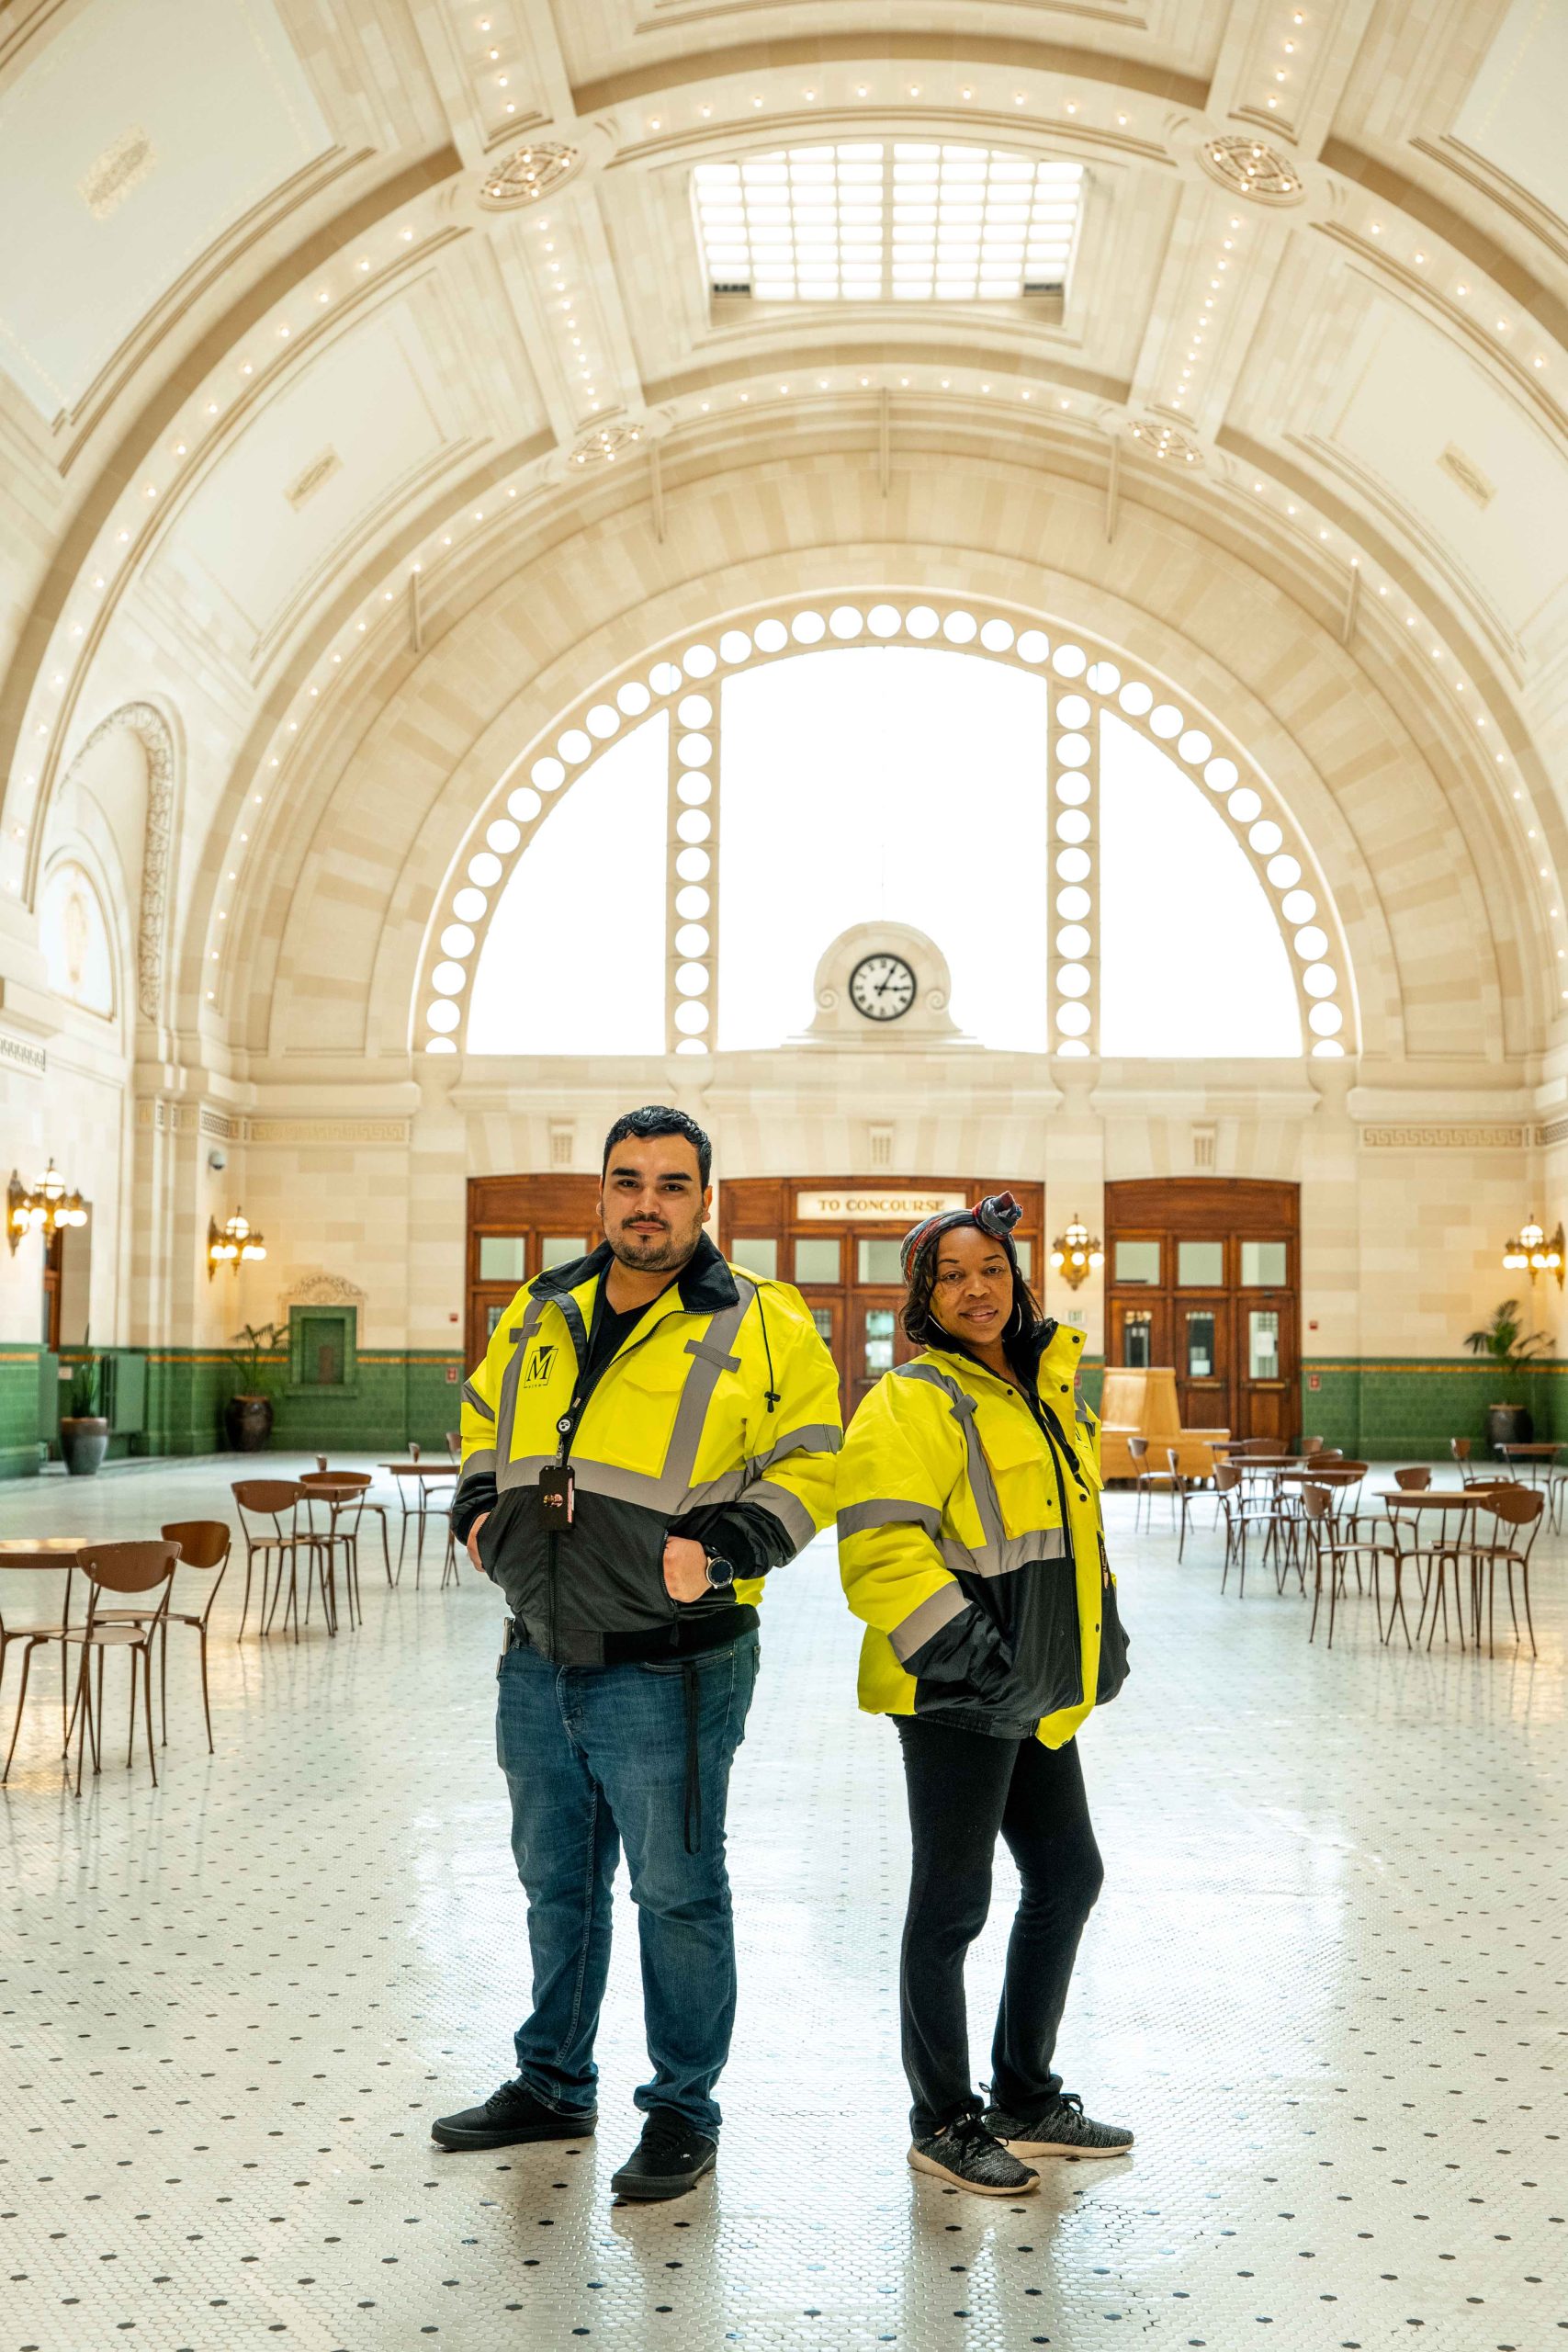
845 622
862 91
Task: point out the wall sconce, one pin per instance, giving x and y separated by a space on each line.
236 1241
45 1207
1534 1254
1073 1255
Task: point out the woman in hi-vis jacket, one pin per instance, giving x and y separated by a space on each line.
969 1539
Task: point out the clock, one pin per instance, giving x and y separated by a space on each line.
882 987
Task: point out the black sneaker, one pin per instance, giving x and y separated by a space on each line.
671 2157
509 2116
969 2153
1063 2130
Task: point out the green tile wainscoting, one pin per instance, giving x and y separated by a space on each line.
395 1394
19 1412
1405 1408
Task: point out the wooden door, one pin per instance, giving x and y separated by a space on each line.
1201 1276
519 1226
877 1340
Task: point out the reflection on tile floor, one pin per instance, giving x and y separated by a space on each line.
1325 1984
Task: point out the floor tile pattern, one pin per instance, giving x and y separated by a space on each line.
1325 1984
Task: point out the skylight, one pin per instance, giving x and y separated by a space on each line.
903 222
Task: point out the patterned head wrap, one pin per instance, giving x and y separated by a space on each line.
996 1215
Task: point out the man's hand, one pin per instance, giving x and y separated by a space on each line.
472 1546
685 1568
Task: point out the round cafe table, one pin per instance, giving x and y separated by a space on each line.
23 1553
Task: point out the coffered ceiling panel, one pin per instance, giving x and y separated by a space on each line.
142 131
1466 462
321 464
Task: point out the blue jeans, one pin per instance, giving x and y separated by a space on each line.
595 1760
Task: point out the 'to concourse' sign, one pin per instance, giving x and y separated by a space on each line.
902 1208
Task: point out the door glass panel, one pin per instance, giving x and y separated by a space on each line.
1263 1265
1200 1346
1263 1344
559 1250
1024 1251
1138 1262
879 1260
501 1258
492 1316
823 1319
758 1256
817 1261
1201 1265
878 1340
1137 1341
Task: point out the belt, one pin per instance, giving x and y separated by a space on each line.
682 1637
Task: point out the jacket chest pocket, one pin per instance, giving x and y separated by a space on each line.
636 1408
1020 1471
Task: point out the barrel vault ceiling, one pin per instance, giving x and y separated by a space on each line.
301 304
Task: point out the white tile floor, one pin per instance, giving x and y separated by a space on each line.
1325 1984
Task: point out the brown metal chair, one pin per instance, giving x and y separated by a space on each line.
379 1511
1147 1482
1459 1448
1412 1482
204 1545
1513 1509
108 1567
273 1501
341 1494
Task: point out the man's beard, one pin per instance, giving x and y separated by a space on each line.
652 1253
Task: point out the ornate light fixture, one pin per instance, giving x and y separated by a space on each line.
237 1242
1534 1254
1074 1255
45 1207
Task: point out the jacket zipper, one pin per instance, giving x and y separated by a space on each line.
568 1435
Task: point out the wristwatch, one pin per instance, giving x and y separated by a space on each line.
721 1572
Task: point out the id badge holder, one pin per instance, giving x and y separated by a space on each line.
556 1486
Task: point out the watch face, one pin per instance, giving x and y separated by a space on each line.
882 987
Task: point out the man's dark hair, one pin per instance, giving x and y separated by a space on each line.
657 1119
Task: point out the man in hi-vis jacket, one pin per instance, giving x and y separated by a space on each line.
650 1432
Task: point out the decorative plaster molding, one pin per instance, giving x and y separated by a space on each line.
152 729
323 1131
323 1290
18 1053
1554 1131
218 1124
1247 167
527 173
1445 1139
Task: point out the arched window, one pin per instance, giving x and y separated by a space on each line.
1097 876
574 958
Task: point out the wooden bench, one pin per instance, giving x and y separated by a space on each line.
1143 1403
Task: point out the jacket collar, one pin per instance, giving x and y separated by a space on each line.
705 1283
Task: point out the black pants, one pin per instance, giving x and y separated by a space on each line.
965 1787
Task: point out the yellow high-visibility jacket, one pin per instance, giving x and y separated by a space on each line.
970 1544
722 1400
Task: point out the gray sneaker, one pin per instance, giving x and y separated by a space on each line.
970 2156
1063 2130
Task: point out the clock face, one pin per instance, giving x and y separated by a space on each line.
882 987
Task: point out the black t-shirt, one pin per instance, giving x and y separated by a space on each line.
610 1330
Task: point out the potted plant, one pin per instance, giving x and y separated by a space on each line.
247 1416
83 1431
1512 1349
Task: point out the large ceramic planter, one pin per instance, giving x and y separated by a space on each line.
247 1421
1508 1425
83 1441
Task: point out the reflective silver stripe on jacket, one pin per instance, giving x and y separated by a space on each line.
981 1483
855 1518
928 1619
787 1508
471 1396
733 1486
1012 1552
507 1413
710 1355
479 1463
